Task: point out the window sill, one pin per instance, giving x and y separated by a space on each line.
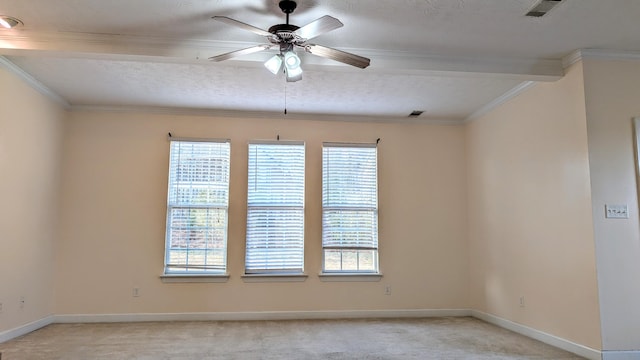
194 278
355 277
274 277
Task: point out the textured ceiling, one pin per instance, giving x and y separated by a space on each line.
108 82
449 58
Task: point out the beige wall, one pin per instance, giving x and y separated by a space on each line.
530 226
114 203
30 138
476 216
613 99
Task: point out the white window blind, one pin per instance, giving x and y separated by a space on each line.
349 208
197 207
275 208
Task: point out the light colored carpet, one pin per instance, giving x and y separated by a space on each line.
430 338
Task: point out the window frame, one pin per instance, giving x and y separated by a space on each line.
195 275
275 274
341 273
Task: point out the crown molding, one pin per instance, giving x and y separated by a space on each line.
567 61
572 58
33 82
515 91
599 54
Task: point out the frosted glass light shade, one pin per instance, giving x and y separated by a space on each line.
274 64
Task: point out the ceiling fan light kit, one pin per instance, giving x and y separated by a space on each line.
287 37
292 64
274 64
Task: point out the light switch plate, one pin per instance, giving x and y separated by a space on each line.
616 211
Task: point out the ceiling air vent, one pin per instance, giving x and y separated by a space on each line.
416 113
543 7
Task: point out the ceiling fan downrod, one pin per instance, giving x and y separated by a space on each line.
287 7
285 30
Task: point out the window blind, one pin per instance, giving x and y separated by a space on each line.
349 208
197 207
275 208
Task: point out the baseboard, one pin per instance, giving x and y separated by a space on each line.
552 340
261 315
25 329
621 355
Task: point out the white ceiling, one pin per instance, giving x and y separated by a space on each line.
450 58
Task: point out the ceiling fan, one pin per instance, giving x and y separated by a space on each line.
288 37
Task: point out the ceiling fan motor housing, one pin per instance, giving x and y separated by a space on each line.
284 32
282 28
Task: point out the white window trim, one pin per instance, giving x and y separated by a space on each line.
277 275
274 277
203 276
342 275
350 276
194 278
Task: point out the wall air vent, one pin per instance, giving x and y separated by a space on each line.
543 7
416 113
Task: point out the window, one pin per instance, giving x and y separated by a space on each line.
197 207
275 208
349 208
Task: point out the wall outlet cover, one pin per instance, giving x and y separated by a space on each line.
616 211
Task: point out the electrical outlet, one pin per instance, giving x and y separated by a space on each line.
521 301
136 291
387 289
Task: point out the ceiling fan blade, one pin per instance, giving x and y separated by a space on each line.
319 27
338 55
240 52
242 25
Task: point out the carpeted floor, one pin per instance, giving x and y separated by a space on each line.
430 338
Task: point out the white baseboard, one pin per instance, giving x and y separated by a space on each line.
552 340
25 329
261 315
621 355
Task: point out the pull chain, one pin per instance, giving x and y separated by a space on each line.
285 98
